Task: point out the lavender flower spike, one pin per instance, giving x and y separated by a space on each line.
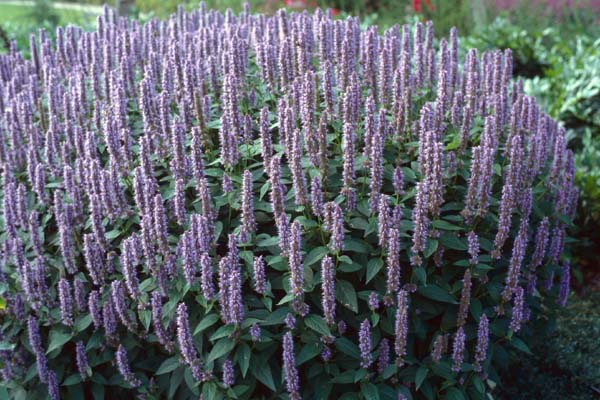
364 339
401 327
81 359
328 288
292 382
66 302
123 366
458 349
186 344
482 342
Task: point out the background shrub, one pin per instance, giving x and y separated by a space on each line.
270 207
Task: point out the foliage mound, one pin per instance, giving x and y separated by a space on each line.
276 206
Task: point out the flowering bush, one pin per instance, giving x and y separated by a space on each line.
272 207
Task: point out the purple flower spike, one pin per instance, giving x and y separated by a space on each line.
482 343
292 381
458 350
123 366
364 339
328 289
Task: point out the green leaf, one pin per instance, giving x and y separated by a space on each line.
308 352
243 357
430 248
206 322
262 372
315 255
317 324
450 241
434 292
345 294
373 267
420 376
82 323
369 391
269 242
519 344
169 365
445 226
57 340
354 245
72 380
223 331
6 346
176 378
454 394
347 347
222 347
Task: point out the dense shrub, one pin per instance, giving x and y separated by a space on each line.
272 207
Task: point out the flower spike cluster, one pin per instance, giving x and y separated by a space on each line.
189 193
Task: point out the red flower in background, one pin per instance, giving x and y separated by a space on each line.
417 5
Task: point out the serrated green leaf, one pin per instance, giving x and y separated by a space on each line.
222 347
450 241
262 372
308 352
445 226
420 376
57 340
454 394
345 294
317 324
206 322
269 242
519 344
223 331
315 255
169 365
373 267
434 292
243 358
347 347
369 391
72 380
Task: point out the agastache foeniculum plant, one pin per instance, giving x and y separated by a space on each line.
255 206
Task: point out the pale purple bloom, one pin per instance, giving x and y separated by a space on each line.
316 196
228 373
458 349
373 301
186 344
334 224
465 299
206 280
255 332
248 221
517 311
364 339
259 275
290 321
565 281
94 308
53 389
81 359
473 247
66 302
383 358
438 348
328 289
401 327
157 323
123 367
482 342
292 381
